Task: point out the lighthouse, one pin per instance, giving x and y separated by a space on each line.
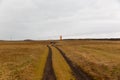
61 38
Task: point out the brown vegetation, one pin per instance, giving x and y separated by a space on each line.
27 60
100 59
22 60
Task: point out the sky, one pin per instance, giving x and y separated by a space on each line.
48 19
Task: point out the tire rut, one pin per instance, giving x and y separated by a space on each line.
49 73
77 72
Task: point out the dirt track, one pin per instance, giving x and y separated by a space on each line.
77 72
49 72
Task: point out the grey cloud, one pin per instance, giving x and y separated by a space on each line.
37 18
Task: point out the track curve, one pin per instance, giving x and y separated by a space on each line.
49 73
77 72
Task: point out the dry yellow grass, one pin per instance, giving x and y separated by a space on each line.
98 58
62 69
40 63
22 60
26 60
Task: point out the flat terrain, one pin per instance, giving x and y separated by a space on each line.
22 60
61 60
98 58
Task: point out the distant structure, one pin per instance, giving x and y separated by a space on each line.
61 37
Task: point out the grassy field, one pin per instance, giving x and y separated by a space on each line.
62 69
100 59
22 60
26 60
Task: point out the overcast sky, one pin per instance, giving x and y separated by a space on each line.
47 19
